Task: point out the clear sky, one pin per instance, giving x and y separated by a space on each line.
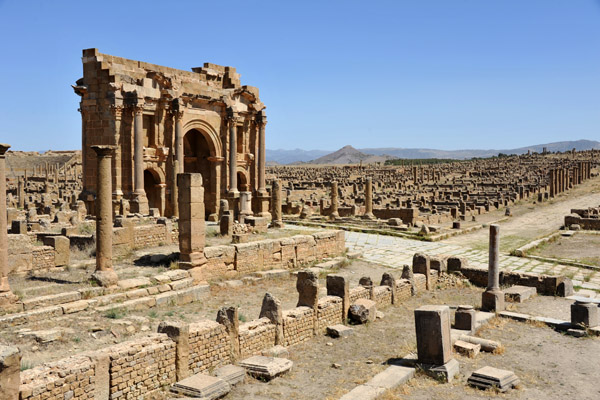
445 74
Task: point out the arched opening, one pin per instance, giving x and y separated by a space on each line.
242 182
152 188
196 152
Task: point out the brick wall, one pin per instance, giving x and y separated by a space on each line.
256 336
69 378
141 366
298 325
359 292
329 312
403 289
382 295
150 235
210 346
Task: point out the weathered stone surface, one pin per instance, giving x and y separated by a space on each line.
10 367
308 289
486 345
363 311
432 325
468 349
487 377
266 367
392 377
339 331
232 374
201 385
518 294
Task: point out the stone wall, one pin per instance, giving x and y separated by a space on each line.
329 312
209 346
359 292
256 336
584 223
140 367
150 236
298 325
382 295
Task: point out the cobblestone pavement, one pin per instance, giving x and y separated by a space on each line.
395 252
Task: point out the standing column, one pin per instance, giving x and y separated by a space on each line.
369 199
493 298
179 140
105 275
334 201
6 295
140 201
21 193
233 189
174 189
277 221
262 197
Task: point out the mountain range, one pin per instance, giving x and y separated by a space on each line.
350 155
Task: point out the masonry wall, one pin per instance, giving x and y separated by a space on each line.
255 336
298 325
544 284
329 312
209 346
584 223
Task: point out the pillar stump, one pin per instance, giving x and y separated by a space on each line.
369 199
584 314
334 201
191 224
493 298
105 275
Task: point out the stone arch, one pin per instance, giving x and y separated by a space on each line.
154 182
209 133
243 180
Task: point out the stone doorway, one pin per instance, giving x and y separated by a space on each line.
152 186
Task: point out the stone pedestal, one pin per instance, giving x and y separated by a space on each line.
245 205
584 314
465 318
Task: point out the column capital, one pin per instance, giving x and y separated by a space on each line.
117 111
3 148
104 150
261 118
138 108
177 114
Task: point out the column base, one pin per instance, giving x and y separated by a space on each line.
277 224
492 300
444 373
106 278
334 215
139 204
368 216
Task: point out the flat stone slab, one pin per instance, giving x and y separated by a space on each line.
204 386
276 351
126 284
274 273
392 377
468 349
337 331
518 294
266 367
231 374
363 392
487 377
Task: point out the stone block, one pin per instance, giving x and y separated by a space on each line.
231 374
266 367
432 325
488 377
10 367
203 386
468 349
518 294
363 311
465 318
339 331
584 314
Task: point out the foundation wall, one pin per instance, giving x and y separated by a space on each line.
209 346
298 325
256 336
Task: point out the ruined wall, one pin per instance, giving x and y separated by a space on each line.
330 311
359 292
256 336
150 236
382 295
298 325
584 223
209 346
544 284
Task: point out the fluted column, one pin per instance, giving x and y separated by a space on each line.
105 274
6 295
140 201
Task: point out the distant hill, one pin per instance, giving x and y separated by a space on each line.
349 154
290 156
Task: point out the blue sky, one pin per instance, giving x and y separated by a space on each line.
446 74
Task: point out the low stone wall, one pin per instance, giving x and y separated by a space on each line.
209 346
330 311
151 235
230 261
545 284
256 336
584 223
382 295
359 292
298 325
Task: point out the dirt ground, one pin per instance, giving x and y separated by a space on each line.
582 247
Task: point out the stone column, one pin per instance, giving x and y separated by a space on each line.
263 196
163 198
21 193
215 189
191 224
233 189
105 275
334 201
277 221
493 298
369 199
140 201
6 295
174 191
179 152
245 205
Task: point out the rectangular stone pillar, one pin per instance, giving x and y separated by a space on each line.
339 286
228 316
432 324
191 223
308 293
180 333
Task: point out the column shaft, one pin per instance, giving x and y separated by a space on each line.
232 155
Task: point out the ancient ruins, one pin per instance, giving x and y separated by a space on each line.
166 261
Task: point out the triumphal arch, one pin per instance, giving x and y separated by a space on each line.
165 121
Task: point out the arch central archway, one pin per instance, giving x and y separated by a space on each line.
199 148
